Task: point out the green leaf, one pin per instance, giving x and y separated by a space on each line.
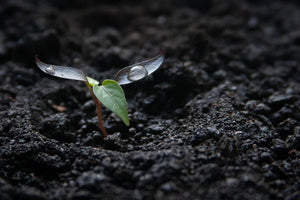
92 81
111 95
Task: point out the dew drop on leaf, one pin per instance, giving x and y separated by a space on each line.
137 72
61 71
50 70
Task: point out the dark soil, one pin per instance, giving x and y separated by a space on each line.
219 120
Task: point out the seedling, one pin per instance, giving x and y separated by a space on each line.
110 93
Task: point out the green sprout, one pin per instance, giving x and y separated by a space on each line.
110 93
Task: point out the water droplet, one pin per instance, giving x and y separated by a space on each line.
50 70
137 72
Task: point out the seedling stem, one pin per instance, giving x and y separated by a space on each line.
99 113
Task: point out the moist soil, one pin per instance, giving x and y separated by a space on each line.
219 120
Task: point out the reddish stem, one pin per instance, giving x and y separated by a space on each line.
98 105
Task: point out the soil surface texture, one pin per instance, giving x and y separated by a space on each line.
219 120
